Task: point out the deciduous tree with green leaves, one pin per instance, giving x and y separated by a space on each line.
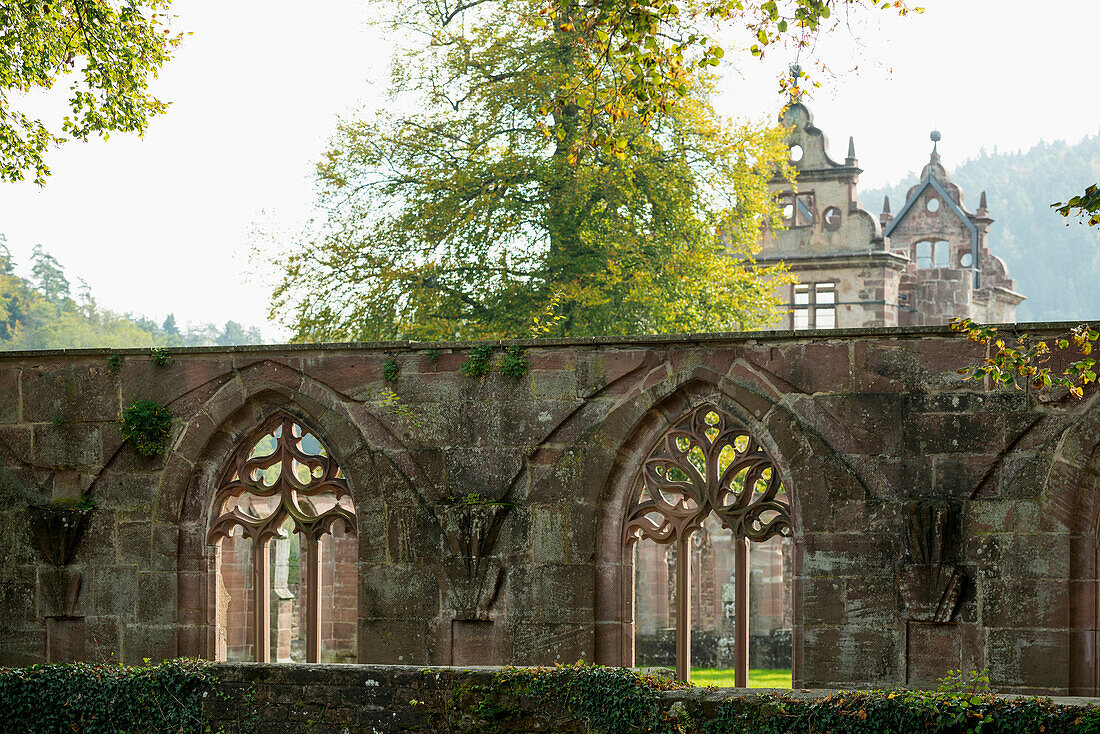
466 218
109 49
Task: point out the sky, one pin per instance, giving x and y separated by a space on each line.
166 223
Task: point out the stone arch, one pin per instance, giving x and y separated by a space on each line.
1071 499
773 426
208 440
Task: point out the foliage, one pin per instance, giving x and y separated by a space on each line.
639 57
466 221
1086 205
514 363
473 499
479 362
611 700
110 50
1055 266
971 682
390 369
104 699
148 425
114 362
160 356
433 355
391 402
1027 362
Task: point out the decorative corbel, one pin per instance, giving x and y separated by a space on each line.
930 588
470 576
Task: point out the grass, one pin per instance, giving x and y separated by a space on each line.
758 678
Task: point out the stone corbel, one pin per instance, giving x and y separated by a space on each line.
470 575
930 588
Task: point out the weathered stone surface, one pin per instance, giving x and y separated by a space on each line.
859 424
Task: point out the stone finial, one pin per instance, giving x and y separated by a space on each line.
851 159
981 203
796 74
886 216
935 137
982 215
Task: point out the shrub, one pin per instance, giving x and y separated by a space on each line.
104 699
147 425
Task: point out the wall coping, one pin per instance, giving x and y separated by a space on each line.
712 338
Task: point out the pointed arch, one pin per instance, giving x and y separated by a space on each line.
773 433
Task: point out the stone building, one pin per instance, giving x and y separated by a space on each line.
925 265
933 522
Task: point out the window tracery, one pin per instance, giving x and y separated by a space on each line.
282 492
706 464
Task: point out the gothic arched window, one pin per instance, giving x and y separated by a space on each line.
285 526
708 465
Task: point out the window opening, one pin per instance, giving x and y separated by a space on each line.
797 209
831 219
284 522
706 469
796 153
924 254
942 253
814 306
932 205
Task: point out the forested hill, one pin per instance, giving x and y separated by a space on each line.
42 312
1055 266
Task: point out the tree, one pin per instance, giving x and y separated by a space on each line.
109 48
49 276
649 51
169 326
468 218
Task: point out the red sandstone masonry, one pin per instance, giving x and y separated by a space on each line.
858 423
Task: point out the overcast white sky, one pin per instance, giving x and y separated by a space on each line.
162 224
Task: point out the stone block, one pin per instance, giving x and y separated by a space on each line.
114 592
77 392
156 598
10 403
67 445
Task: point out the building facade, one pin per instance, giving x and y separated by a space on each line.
925 265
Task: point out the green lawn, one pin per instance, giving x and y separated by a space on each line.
757 678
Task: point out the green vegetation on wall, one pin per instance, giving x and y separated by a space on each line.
105 699
147 426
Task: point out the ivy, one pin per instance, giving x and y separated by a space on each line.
390 370
479 362
160 356
147 425
105 699
515 364
114 362
433 355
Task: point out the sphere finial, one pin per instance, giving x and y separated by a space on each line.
935 137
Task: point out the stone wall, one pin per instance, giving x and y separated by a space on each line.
939 523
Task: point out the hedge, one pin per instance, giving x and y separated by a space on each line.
80 698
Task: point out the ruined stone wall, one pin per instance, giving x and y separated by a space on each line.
996 569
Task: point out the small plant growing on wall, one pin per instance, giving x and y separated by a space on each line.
160 356
147 426
390 369
479 362
515 364
432 355
114 362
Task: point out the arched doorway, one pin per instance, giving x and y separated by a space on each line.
707 465
284 525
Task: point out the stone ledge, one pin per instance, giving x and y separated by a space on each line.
715 338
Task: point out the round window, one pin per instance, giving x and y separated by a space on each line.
788 212
796 153
832 219
933 205
966 260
